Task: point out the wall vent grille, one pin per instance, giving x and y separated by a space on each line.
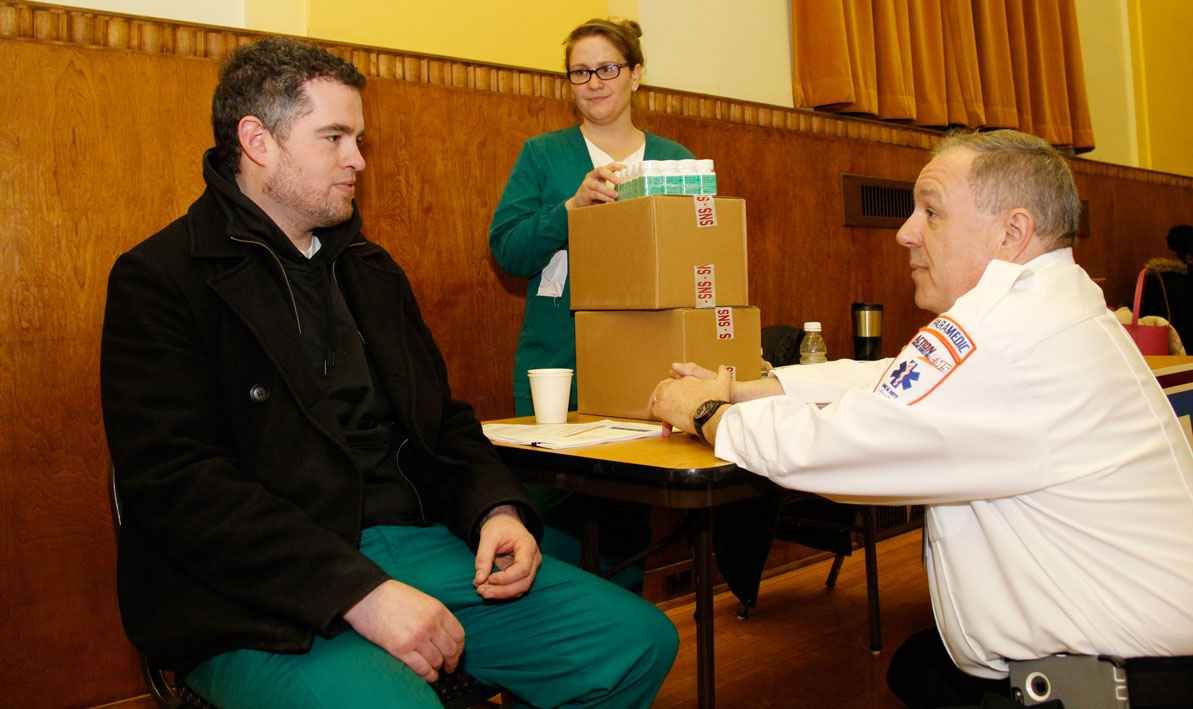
879 202
875 201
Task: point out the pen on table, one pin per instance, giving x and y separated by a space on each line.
577 433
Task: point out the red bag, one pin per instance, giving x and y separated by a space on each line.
1150 339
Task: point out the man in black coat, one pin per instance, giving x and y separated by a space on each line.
310 518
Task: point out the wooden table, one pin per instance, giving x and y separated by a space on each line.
679 472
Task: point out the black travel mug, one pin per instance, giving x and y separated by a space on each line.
867 331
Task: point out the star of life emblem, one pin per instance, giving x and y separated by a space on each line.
905 375
925 362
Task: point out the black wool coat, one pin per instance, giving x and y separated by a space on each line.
242 502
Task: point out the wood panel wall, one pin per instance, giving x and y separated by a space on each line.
102 122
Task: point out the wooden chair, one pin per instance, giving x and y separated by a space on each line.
744 531
808 520
166 691
458 690
794 516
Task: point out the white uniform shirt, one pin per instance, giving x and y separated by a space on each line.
1058 480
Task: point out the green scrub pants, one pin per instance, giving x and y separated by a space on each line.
573 641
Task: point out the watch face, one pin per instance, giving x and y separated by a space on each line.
704 409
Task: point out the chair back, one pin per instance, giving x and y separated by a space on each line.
780 344
160 689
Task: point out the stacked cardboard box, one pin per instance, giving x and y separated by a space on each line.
657 280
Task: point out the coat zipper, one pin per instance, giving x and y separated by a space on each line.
417 498
422 514
335 279
285 278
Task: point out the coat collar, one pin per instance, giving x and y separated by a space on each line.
245 252
223 203
249 291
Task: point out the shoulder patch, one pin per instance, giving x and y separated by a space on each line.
931 356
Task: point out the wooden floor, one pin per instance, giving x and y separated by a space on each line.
806 645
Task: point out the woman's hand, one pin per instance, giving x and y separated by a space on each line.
595 188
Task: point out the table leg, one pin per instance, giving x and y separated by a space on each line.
590 556
871 532
701 539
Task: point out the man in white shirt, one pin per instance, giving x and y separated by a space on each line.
1057 479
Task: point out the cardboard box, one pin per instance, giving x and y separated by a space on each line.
658 252
622 355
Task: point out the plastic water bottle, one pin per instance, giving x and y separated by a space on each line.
812 349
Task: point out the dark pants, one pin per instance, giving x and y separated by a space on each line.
923 676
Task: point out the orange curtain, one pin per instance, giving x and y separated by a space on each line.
974 63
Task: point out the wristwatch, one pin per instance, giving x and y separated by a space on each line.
704 412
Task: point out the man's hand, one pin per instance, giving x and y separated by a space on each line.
505 542
595 188
691 369
675 400
410 625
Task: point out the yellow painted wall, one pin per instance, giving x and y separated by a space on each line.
737 49
527 33
1106 55
1136 52
1162 55
224 13
280 16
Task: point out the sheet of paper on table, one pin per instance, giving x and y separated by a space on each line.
569 435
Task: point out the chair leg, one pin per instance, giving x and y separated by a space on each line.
159 689
869 534
836 569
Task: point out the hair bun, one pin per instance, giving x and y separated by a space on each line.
631 25
621 33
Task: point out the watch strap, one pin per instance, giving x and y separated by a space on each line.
704 412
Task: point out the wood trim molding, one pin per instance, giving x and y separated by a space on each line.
67 25
60 24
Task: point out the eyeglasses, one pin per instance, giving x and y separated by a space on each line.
604 73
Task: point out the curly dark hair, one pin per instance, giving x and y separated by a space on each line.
266 79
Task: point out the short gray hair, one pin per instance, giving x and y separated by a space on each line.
1014 169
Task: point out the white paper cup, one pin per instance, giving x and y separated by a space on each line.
551 390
